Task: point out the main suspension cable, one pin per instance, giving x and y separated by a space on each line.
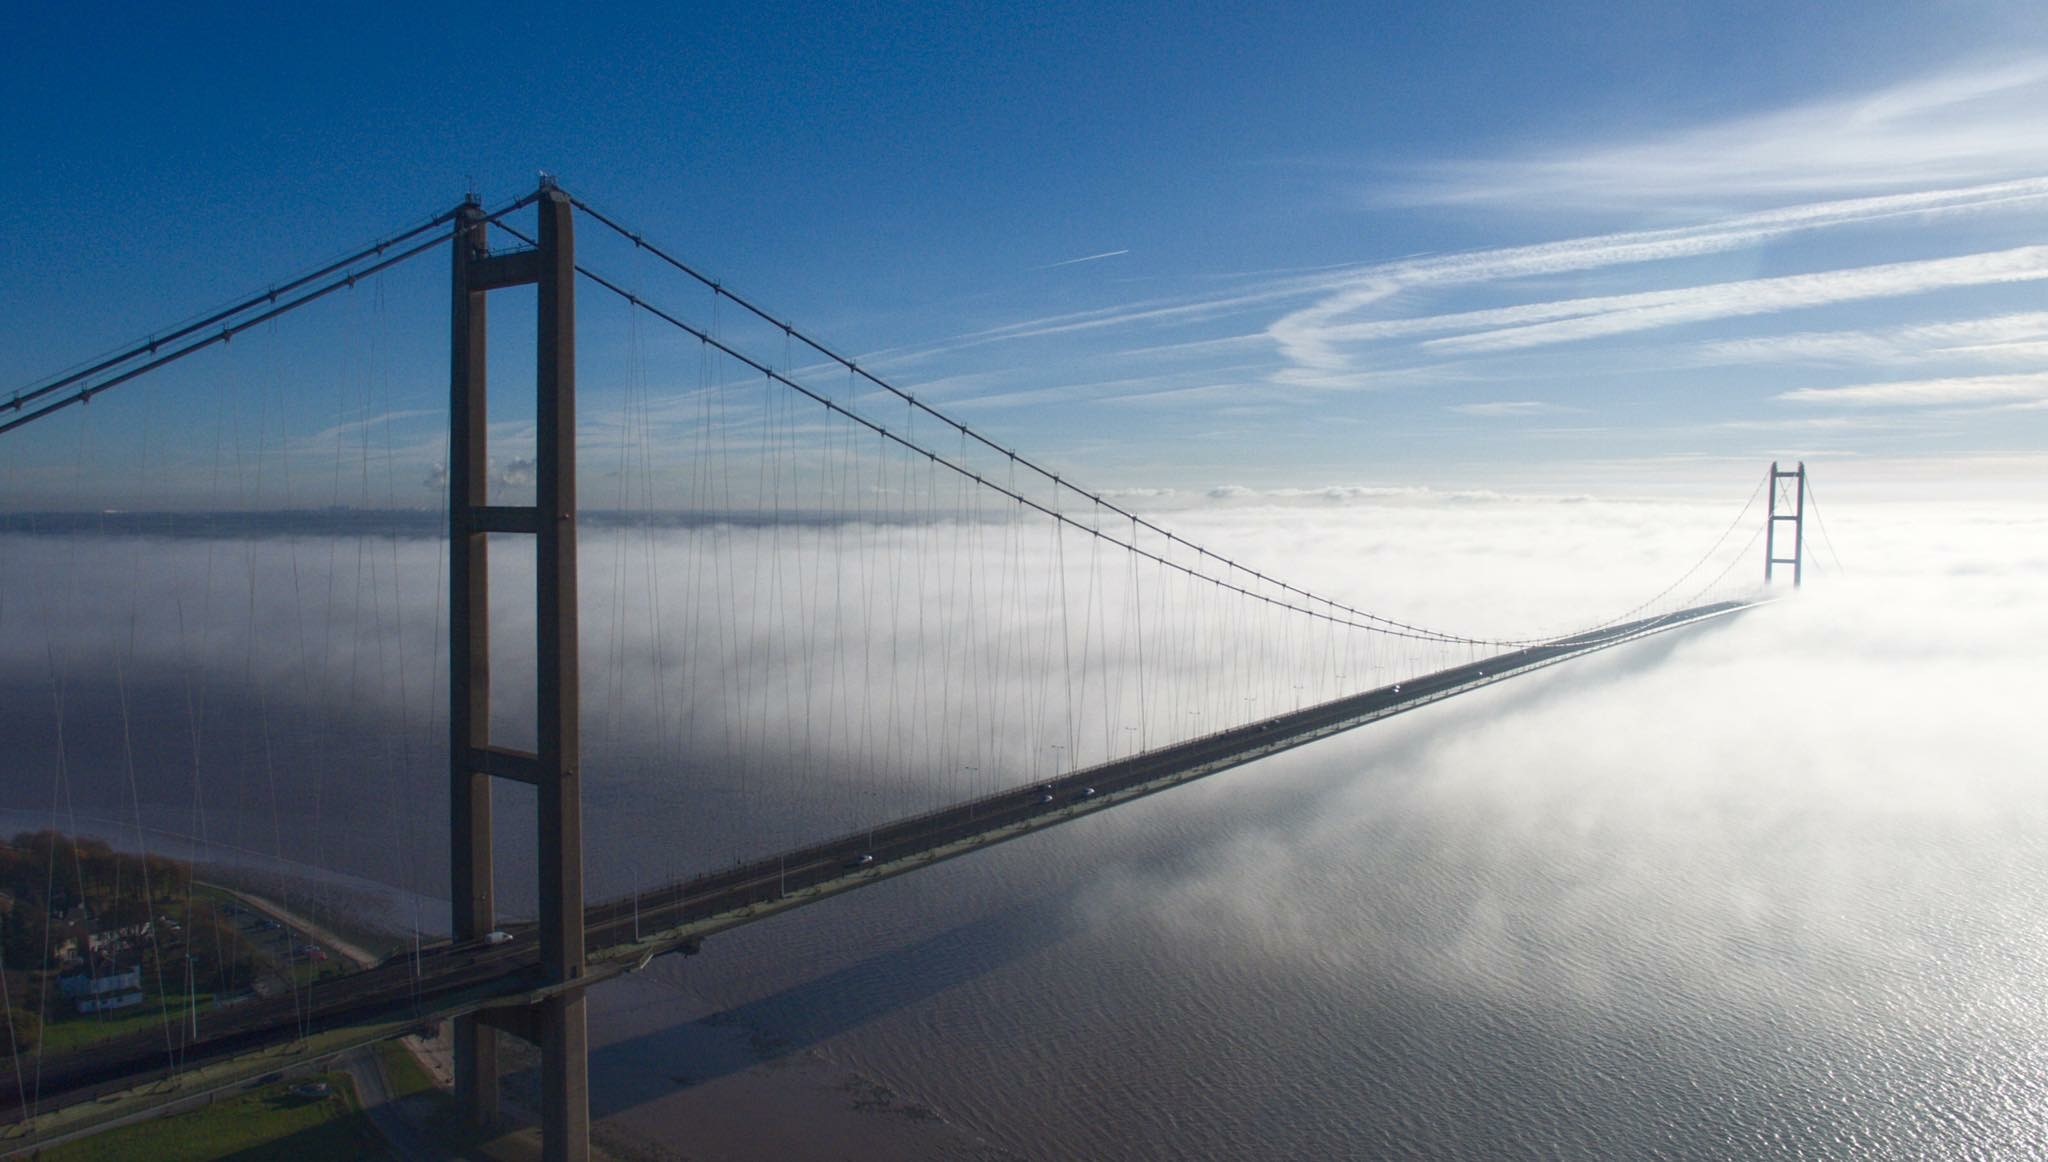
1354 617
1696 565
229 323
1396 629
150 345
1811 498
788 329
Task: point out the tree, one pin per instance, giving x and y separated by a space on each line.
21 1028
124 914
169 879
238 973
23 931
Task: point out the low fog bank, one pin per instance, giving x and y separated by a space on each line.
1761 887
1766 888
1702 803
747 688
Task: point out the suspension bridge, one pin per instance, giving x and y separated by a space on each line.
853 608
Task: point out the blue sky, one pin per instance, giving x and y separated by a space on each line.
1167 245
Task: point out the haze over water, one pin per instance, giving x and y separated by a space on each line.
1766 890
1768 887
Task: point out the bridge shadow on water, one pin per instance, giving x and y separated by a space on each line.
644 1068
633 1072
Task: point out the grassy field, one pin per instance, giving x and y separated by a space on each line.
402 1071
269 1122
71 1032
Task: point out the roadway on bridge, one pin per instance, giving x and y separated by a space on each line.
447 979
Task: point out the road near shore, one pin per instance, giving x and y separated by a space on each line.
353 953
400 1132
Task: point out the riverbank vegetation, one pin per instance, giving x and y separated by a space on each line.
98 942
306 1121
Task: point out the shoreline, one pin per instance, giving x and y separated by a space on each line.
432 1053
760 1104
353 952
372 1092
755 1102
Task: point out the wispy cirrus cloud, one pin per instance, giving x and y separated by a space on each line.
1967 124
1889 206
358 429
1314 300
1999 338
1323 343
1855 423
1572 320
1949 392
1506 408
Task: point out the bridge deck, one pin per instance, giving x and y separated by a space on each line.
122 1076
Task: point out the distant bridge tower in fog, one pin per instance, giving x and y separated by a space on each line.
1796 503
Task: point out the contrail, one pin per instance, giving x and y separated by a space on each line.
1083 258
